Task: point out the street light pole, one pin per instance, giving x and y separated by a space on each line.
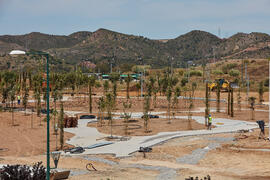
48 117
16 52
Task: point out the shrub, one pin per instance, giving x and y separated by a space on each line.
218 72
266 82
226 68
37 172
184 81
181 72
193 73
234 73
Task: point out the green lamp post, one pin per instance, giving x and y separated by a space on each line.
17 52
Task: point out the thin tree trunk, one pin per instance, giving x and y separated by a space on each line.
206 104
218 98
90 98
62 126
229 101
232 113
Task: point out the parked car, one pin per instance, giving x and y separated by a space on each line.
88 117
151 116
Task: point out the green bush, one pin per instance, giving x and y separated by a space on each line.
193 73
184 81
266 82
180 72
218 72
226 68
234 73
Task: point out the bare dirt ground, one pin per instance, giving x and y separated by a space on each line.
155 126
22 139
232 160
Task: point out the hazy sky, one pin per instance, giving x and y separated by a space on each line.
156 19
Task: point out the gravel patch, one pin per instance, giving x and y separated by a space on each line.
165 173
221 139
74 172
98 159
197 154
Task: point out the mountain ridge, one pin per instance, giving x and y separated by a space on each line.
102 45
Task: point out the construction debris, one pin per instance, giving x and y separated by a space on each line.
196 178
70 122
76 150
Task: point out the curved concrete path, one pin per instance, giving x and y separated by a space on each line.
86 136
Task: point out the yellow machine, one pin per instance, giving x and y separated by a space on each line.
224 85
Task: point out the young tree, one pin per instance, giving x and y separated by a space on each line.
218 97
25 98
146 108
177 93
91 84
232 109
114 78
138 87
261 92
70 80
229 101
127 114
61 122
101 107
106 87
169 97
239 98
12 99
252 103
128 80
191 96
206 103
109 107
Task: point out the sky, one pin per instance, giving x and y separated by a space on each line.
155 19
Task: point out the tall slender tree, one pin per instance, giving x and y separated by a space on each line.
128 80
109 107
91 84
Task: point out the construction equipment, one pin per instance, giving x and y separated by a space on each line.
224 85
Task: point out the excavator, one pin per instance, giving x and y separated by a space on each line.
224 85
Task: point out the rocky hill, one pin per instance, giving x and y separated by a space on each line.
104 45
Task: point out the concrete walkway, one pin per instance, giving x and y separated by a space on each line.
86 136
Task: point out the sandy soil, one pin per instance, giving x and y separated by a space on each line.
25 145
22 139
155 126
